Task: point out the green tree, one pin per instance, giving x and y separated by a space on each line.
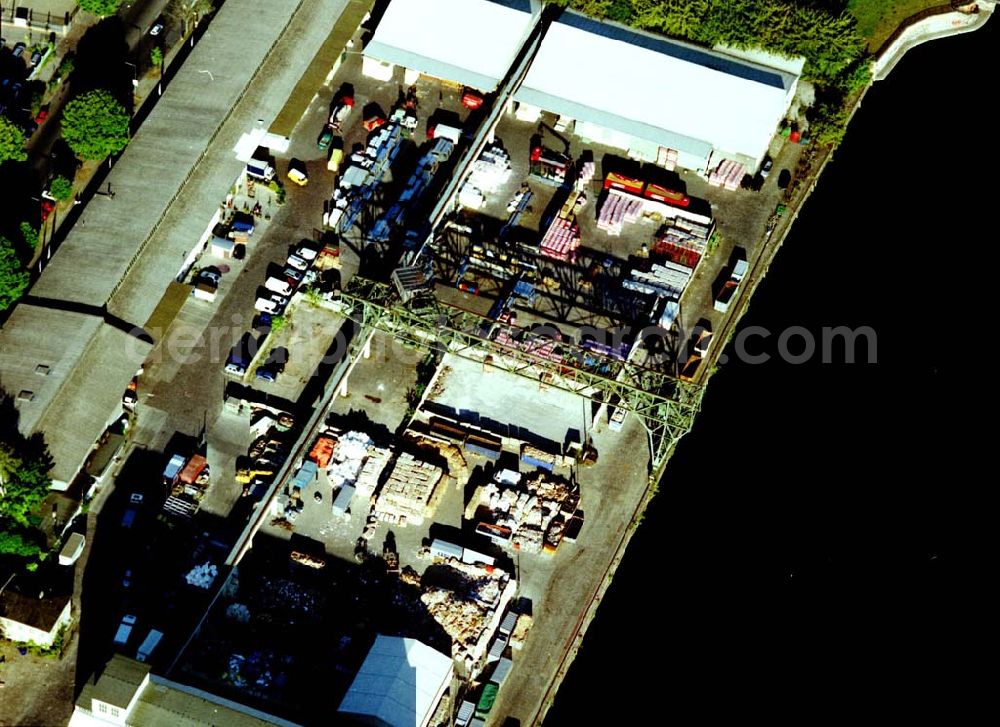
14 278
95 125
61 188
156 58
189 12
11 141
101 8
30 235
14 542
26 482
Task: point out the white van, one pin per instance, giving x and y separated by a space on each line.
278 285
265 305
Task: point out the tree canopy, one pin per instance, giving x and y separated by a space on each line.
829 41
61 188
95 125
100 8
14 278
26 482
11 141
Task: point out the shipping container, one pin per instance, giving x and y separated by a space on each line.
72 549
496 649
444 549
465 713
173 468
342 501
305 476
148 645
501 671
508 624
322 451
189 475
486 700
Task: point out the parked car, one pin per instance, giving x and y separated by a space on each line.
298 176
266 305
306 253
127 578
36 58
43 114
157 27
210 275
766 167
18 50
294 276
296 262
135 498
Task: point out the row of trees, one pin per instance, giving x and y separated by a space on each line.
24 485
835 53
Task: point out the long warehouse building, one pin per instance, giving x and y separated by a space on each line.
658 99
649 95
465 42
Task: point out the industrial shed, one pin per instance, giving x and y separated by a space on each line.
66 372
648 94
399 684
468 42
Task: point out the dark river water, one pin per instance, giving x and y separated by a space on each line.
803 555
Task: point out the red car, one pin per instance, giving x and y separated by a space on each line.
42 115
471 98
47 207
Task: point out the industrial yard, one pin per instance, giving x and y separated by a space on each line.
420 371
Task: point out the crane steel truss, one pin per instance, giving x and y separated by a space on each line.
665 405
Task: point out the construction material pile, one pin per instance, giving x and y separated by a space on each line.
489 172
668 280
405 497
616 210
472 603
562 237
728 174
458 468
533 509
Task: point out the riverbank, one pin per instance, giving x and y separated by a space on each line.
796 559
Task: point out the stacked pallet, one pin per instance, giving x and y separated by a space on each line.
616 210
561 239
491 170
541 347
666 280
666 158
404 498
728 174
588 170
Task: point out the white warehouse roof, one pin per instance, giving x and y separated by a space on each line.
653 88
472 42
399 684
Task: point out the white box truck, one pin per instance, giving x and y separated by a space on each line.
148 644
124 629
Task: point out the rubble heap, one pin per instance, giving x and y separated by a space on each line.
535 508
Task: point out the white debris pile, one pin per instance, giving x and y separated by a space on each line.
202 576
405 497
348 458
492 169
238 612
534 509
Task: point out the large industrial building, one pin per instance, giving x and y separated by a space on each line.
399 684
467 42
649 95
657 99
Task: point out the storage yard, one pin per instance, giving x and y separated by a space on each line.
463 470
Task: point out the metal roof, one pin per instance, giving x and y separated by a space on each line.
169 180
90 362
657 89
472 42
399 683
